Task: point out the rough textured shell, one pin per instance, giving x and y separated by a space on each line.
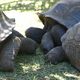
6 26
71 45
66 12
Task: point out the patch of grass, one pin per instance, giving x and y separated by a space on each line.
33 67
25 5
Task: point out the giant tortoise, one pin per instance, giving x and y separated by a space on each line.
7 43
65 13
70 49
11 42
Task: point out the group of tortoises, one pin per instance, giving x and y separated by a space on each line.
59 39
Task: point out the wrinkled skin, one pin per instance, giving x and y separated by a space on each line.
71 45
8 54
28 46
11 46
56 55
35 34
52 38
47 42
57 32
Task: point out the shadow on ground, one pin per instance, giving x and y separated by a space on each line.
33 67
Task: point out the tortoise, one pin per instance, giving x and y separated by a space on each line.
7 43
70 49
11 42
65 13
71 45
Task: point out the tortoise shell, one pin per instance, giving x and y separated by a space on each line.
71 45
65 12
6 26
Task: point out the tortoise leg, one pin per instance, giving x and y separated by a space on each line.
35 34
28 46
47 42
57 32
8 54
56 55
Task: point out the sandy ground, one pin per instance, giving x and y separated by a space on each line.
24 20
